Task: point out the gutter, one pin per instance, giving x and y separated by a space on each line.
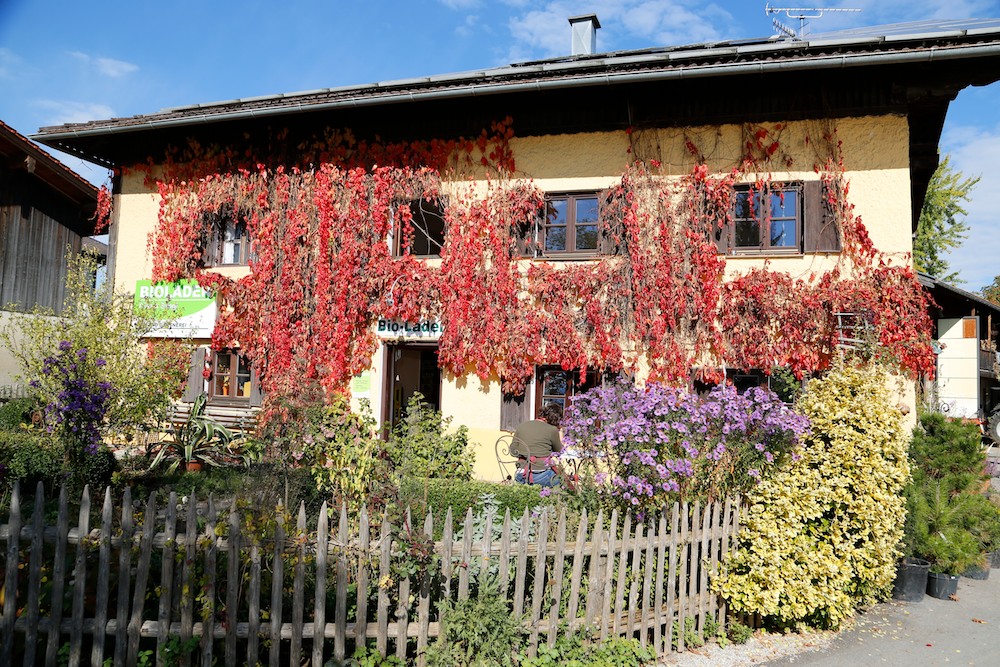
934 54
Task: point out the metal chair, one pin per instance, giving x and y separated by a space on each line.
506 461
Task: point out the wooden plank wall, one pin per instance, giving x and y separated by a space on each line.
33 264
202 585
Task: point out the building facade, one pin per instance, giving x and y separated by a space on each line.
502 239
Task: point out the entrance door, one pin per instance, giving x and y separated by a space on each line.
411 368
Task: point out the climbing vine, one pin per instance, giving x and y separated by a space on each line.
323 273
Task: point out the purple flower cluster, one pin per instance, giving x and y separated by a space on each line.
658 444
82 401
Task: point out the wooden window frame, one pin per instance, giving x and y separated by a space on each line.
234 379
764 246
542 226
419 209
215 253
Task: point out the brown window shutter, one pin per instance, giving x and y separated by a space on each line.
256 395
721 236
612 224
515 409
525 238
196 380
820 230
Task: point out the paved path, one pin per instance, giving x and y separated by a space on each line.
915 634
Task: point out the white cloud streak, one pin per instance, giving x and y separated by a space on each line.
108 67
58 112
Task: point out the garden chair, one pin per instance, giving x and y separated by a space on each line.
506 461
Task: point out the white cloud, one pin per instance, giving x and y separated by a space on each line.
109 67
544 32
466 28
58 112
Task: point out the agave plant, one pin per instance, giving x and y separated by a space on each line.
199 439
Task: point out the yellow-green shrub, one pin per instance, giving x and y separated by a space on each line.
821 536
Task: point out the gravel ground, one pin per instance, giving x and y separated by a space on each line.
763 647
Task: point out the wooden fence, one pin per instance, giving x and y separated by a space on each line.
191 584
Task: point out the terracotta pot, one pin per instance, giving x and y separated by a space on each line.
193 466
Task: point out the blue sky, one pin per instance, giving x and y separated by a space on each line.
67 61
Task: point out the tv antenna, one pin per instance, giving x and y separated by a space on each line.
800 13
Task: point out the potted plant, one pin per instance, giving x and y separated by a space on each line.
944 538
911 572
199 441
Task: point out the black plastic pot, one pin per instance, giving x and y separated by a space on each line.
977 572
995 558
941 585
911 580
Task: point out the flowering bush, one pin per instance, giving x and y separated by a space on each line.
77 414
659 444
821 537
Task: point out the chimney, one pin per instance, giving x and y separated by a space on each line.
584 34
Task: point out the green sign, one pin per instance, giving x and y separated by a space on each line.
191 308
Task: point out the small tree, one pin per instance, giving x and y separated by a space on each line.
941 226
143 376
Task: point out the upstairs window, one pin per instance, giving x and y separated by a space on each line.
768 219
780 219
422 235
571 225
229 243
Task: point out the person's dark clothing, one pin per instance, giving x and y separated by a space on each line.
536 439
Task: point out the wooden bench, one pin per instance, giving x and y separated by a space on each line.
237 419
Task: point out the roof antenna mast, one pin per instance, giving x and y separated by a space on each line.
800 13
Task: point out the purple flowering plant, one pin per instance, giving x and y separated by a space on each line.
654 445
77 414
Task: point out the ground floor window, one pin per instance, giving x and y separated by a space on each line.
232 379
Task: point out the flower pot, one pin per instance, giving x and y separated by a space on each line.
192 466
911 580
941 585
977 572
994 558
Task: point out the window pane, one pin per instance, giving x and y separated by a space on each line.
561 402
428 228
743 208
783 234
783 204
554 383
586 210
586 237
555 225
747 233
222 371
555 238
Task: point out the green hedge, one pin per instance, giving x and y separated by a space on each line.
30 457
440 494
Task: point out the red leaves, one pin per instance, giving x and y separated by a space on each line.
323 271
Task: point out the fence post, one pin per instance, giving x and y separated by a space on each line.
35 575
103 575
79 579
10 576
277 585
58 578
124 577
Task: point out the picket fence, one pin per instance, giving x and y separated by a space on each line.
188 584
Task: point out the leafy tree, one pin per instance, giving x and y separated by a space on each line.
941 226
992 291
143 375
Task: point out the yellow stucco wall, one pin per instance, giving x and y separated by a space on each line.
874 153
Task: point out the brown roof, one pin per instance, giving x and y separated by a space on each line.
17 150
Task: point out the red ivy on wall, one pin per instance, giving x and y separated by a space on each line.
323 272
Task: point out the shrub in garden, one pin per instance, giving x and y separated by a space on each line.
15 413
144 376
438 495
76 415
820 537
659 444
422 444
478 632
30 456
947 449
345 455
